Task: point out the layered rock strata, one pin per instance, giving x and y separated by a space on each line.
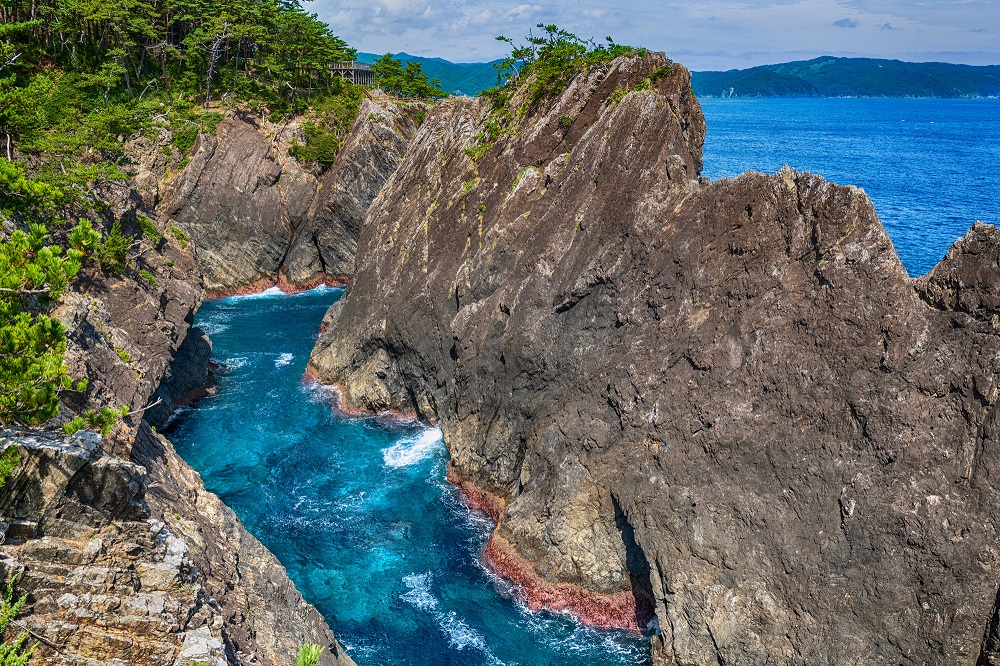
259 218
718 413
124 556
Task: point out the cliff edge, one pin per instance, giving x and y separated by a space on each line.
718 413
260 218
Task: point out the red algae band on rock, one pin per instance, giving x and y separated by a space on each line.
606 611
282 283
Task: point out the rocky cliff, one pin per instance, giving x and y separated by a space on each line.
259 218
124 556
719 413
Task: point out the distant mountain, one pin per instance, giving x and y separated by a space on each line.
851 77
458 78
821 77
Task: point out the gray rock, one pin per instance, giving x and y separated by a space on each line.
259 218
721 406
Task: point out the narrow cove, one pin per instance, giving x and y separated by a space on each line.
358 511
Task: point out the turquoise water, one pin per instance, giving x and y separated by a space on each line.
358 511
932 166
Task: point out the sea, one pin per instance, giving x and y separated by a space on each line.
358 510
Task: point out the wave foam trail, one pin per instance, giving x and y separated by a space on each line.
267 293
460 635
412 450
420 591
284 359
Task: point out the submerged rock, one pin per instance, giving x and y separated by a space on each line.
724 403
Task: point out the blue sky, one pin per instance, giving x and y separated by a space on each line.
705 34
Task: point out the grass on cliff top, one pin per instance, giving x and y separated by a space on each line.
545 64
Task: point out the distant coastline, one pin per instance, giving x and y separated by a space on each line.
852 77
825 76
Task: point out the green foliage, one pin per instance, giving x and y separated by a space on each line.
308 655
408 80
148 277
113 251
33 276
549 62
180 235
545 64
99 421
566 120
123 355
187 123
9 460
13 652
84 238
148 229
328 123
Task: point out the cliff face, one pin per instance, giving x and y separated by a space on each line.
124 556
720 413
259 218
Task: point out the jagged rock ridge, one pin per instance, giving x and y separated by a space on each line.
721 413
260 218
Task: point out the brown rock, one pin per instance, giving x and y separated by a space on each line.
728 399
260 219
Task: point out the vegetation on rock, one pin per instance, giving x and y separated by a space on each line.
545 64
13 651
308 655
408 80
9 461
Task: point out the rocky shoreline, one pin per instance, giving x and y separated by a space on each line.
725 400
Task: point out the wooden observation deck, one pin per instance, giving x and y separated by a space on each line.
357 73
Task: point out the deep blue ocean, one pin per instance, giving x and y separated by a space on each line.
359 511
932 166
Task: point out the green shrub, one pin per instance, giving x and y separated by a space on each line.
330 121
33 276
180 235
148 229
13 652
101 421
308 655
113 252
186 125
9 460
84 238
123 355
149 277
546 65
566 120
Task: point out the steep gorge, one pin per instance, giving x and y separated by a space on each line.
720 413
124 556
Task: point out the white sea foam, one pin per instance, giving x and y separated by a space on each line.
412 450
235 362
213 327
460 635
284 359
420 591
267 293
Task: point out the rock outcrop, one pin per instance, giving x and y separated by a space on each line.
259 218
124 556
719 413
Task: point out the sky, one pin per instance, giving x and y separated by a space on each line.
701 34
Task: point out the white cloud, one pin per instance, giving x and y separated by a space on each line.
702 34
